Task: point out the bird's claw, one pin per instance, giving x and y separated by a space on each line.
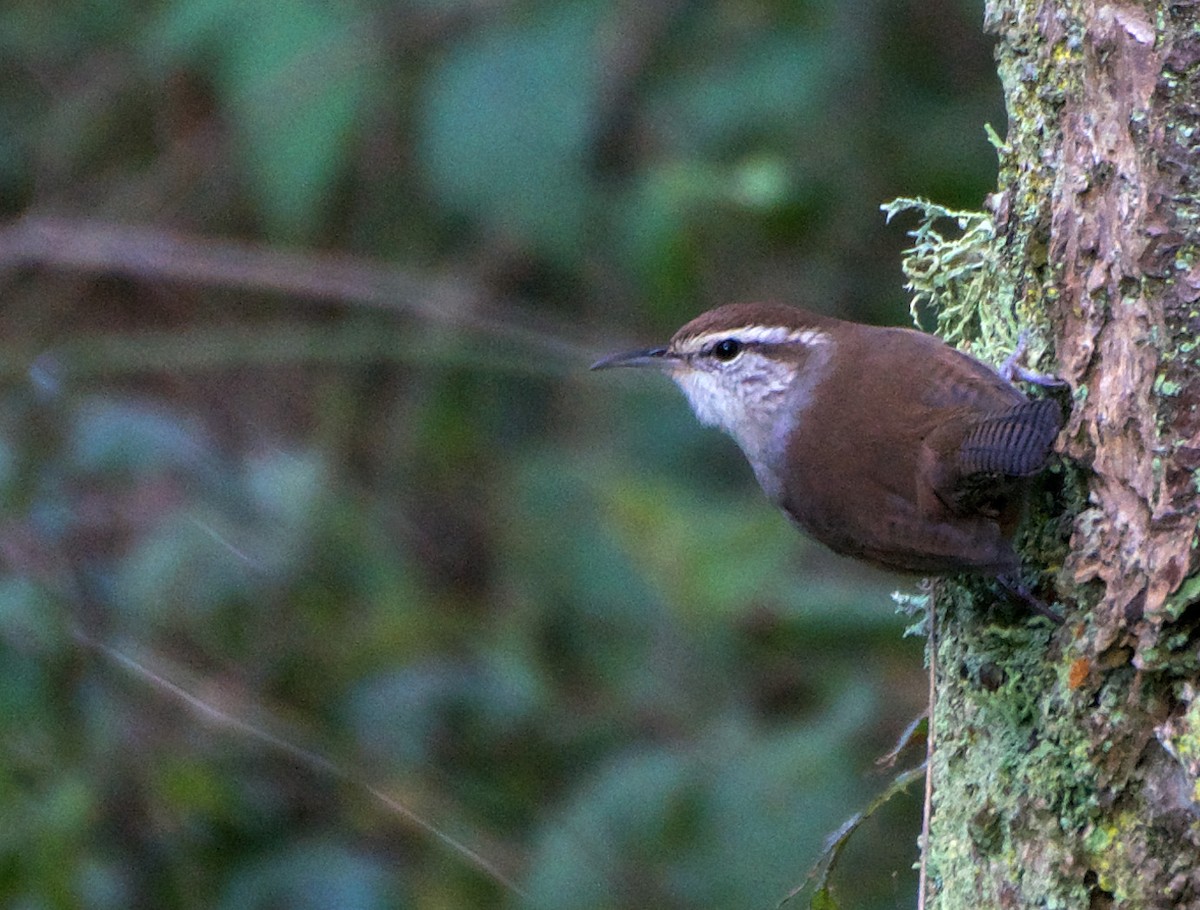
1011 369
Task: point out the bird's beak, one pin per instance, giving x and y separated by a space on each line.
652 357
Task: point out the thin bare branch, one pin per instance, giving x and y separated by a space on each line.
159 254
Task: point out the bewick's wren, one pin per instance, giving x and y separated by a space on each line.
883 443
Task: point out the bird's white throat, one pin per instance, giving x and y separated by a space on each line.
758 399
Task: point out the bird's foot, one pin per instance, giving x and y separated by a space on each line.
1011 369
1019 591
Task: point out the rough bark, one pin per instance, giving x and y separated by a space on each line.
1067 759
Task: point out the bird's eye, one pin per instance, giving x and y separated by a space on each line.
726 350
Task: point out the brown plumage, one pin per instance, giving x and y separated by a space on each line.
885 444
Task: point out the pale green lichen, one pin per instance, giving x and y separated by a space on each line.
960 279
1109 856
949 276
1185 595
916 608
1181 737
1008 757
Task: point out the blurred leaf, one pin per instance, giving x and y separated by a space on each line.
103 884
284 491
29 618
512 688
184 568
708 556
724 824
578 860
311 876
555 523
8 464
51 34
25 693
405 714
399 714
761 183
191 787
216 551
506 124
772 86
659 222
653 226
125 436
773 797
295 76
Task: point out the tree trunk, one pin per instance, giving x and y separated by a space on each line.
1066 759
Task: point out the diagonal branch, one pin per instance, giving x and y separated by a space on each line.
157 254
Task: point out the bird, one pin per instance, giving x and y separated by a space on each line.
885 444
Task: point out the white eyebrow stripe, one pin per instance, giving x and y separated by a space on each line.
757 334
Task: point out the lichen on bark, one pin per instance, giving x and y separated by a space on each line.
1066 761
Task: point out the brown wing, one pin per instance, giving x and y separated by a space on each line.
957 380
887 488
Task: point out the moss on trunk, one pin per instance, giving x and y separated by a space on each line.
1067 758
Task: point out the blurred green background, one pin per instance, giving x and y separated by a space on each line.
284 570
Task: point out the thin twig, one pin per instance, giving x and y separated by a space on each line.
197 349
159 254
315 761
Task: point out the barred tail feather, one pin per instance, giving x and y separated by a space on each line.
1015 443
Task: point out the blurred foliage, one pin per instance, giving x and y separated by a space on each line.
314 604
